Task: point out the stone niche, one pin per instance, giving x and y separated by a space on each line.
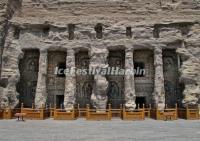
173 88
56 82
29 67
116 82
144 81
84 83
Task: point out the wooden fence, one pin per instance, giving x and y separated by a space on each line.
166 114
1 113
189 113
8 113
82 112
62 114
137 114
147 111
96 114
36 114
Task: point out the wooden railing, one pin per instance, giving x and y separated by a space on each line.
137 114
147 111
51 111
166 114
117 112
62 114
36 114
1 113
8 113
189 113
98 114
82 112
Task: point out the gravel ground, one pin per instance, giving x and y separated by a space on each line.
115 130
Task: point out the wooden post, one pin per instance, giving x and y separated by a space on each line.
32 105
88 111
143 110
109 111
121 111
22 106
187 112
124 111
79 112
199 111
176 112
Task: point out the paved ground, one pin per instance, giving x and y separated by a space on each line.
115 130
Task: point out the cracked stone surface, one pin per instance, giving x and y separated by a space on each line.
43 25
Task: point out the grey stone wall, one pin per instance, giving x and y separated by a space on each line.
156 26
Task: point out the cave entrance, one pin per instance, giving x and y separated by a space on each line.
144 77
116 82
60 101
28 67
140 101
84 82
172 87
56 80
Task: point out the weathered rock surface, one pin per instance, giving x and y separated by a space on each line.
159 92
41 90
99 60
10 73
70 82
190 69
43 25
130 95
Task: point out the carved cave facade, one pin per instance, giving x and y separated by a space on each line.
144 83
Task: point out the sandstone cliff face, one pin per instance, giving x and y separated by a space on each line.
156 24
190 68
8 94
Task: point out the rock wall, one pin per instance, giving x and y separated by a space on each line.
8 94
190 68
10 72
7 9
155 25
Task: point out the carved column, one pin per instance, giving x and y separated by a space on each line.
159 91
98 61
130 95
41 90
70 82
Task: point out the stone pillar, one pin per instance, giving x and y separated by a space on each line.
130 95
41 90
98 61
159 91
70 82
